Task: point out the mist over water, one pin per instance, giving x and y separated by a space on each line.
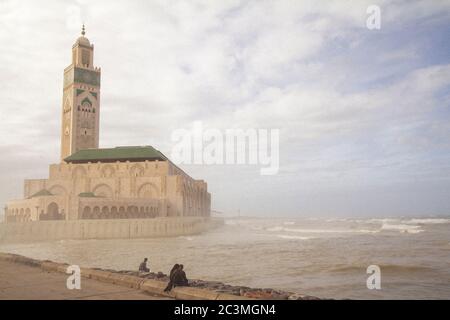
322 257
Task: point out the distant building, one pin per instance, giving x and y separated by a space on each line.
114 183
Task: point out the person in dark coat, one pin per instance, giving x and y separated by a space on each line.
171 275
143 266
179 278
174 269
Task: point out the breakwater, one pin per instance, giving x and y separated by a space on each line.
105 229
155 283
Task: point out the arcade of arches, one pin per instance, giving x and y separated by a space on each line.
119 212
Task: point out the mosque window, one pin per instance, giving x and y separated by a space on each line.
85 58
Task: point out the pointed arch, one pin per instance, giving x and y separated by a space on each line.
57 190
108 171
148 190
137 170
79 172
103 190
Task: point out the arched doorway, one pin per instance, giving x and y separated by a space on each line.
105 213
114 213
52 212
86 213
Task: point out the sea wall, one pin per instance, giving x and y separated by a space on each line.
155 283
105 228
152 286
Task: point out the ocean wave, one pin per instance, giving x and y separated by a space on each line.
341 220
383 220
288 237
427 221
330 230
186 238
383 268
275 229
279 228
403 228
231 222
320 230
288 223
368 231
404 220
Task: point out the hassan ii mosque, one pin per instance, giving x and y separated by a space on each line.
91 183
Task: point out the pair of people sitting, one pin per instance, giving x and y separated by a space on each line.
177 278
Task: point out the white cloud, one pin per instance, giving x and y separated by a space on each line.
347 104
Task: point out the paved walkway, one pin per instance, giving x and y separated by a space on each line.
22 282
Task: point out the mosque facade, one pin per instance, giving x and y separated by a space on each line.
92 183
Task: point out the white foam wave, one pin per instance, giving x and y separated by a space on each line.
427 221
186 238
279 228
318 230
403 228
275 229
384 220
288 237
368 231
289 223
339 220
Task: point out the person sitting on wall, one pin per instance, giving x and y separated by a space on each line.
179 278
143 266
172 273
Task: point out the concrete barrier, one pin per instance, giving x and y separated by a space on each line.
27 261
227 296
50 266
156 287
125 280
100 275
186 293
85 272
105 228
189 293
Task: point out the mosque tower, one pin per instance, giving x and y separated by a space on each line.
81 100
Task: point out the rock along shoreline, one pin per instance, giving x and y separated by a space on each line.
155 282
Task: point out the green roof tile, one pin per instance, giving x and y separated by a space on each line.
139 153
87 195
42 193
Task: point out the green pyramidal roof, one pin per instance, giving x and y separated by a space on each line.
42 193
87 195
142 153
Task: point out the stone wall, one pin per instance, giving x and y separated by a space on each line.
105 229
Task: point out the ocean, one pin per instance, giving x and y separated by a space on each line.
327 258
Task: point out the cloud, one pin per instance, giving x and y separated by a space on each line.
355 107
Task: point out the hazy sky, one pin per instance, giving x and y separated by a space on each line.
363 114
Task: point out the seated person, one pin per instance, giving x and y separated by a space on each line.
172 273
143 266
179 278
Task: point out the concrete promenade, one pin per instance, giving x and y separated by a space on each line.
26 278
23 282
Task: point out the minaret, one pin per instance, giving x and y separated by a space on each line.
81 100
